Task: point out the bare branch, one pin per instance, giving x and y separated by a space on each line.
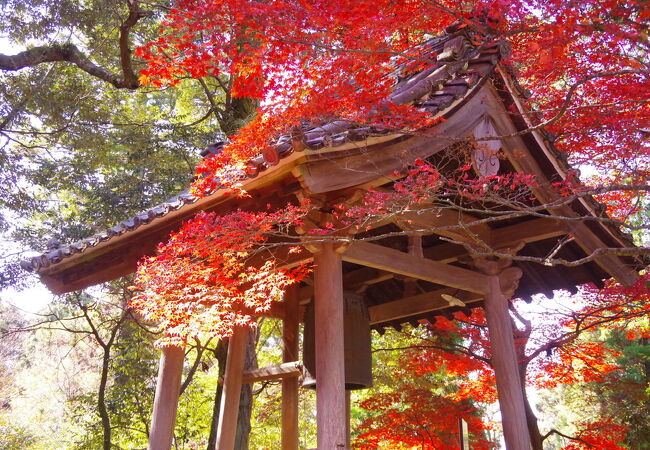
572 438
71 53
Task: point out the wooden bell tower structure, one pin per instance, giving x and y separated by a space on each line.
399 279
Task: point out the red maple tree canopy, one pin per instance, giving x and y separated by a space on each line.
584 63
203 282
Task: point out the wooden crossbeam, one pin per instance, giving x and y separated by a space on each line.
383 258
270 373
352 280
417 304
527 232
445 253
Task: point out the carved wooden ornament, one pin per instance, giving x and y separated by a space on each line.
484 156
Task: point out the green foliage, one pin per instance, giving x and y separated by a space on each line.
623 396
76 154
627 392
14 437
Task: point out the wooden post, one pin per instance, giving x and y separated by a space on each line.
232 389
166 400
290 386
463 432
506 367
330 363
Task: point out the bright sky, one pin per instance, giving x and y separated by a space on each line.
36 298
30 300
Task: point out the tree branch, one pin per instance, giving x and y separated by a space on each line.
135 14
71 53
554 431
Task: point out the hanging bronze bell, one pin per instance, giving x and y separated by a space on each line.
357 344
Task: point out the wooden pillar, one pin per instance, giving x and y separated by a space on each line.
290 385
505 364
330 364
166 400
232 389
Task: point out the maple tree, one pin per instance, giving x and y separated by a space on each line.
411 406
201 282
583 63
551 350
414 417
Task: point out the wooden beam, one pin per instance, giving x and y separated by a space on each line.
417 304
353 280
270 373
384 258
290 386
330 363
166 400
232 389
364 276
445 253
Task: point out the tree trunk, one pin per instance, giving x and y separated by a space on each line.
536 441
101 400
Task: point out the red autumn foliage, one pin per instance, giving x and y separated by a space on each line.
584 62
202 281
551 349
601 434
413 417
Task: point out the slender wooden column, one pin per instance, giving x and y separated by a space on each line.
166 400
232 389
290 385
505 364
330 364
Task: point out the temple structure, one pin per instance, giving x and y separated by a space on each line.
443 263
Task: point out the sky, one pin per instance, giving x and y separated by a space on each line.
36 298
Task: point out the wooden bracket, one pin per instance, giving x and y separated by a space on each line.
509 281
494 266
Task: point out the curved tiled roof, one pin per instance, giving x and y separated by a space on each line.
458 67
59 252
